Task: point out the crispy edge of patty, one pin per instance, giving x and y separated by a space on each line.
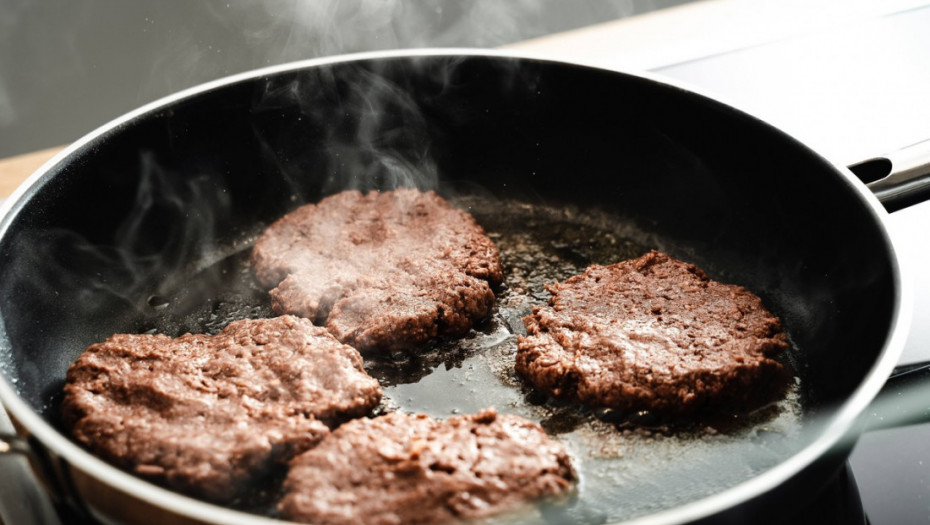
401 468
113 404
417 298
561 356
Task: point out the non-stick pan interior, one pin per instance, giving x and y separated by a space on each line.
104 242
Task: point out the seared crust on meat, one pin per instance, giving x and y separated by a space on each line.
413 469
210 415
653 333
381 271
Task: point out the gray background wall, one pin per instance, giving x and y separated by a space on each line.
68 66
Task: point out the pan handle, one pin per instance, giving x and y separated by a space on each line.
902 401
22 498
12 444
899 179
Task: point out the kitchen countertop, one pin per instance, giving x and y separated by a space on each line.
15 170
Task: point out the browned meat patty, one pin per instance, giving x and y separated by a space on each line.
656 334
412 469
208 415
382 271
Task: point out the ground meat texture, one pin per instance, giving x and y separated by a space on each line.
655 334
210 415
383 271
402 468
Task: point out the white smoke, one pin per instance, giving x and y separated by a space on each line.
379 152
295 29
68 67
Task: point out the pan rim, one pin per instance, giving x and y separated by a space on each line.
841 422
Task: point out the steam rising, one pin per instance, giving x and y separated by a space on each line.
68 67
372 131
172 223
302 29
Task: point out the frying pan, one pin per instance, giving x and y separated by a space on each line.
144 225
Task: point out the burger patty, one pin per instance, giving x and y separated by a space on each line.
402 468
653 333
381 271
209 415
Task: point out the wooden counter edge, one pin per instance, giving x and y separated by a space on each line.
14 170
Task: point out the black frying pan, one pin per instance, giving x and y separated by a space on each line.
144 225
